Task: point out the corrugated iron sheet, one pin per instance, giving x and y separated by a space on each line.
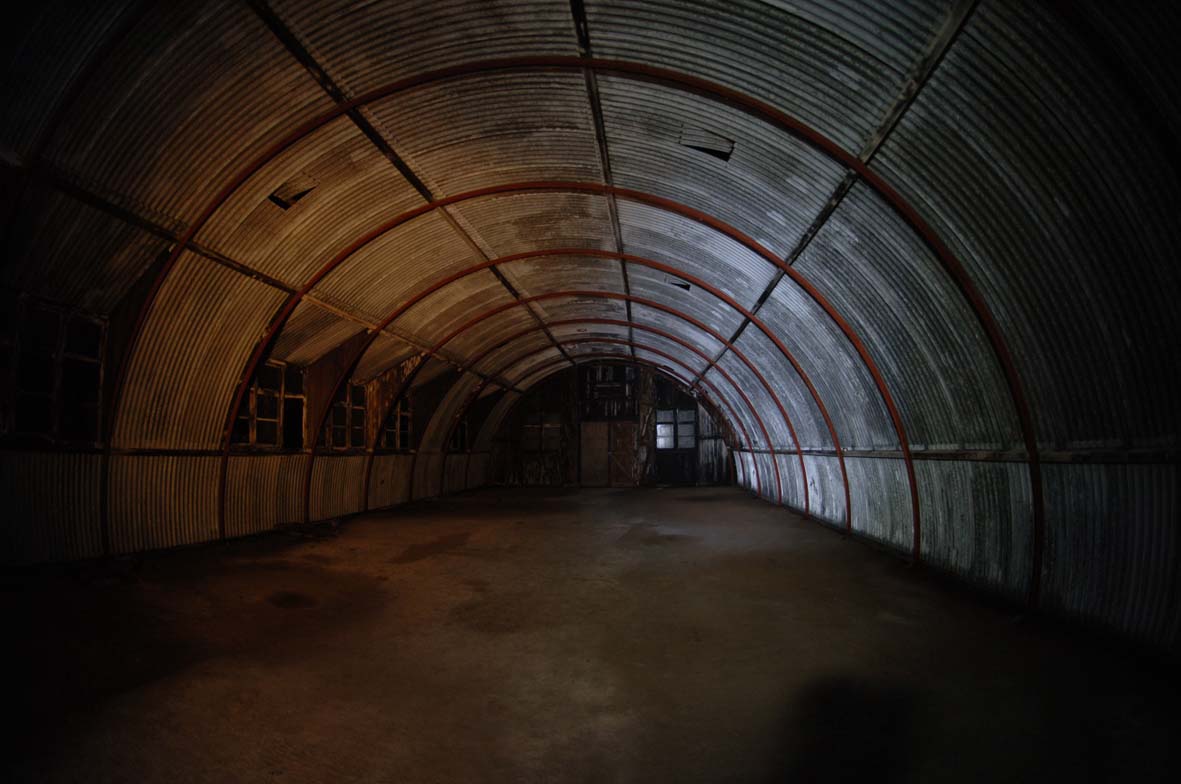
770 186
337 486
797 400
677 325
161 501
760 396
1112 545
427 474
523 222
385 352
389 482
880 496
876 271
54 506
483 440
744 412
263 491
69 252
521 374
978 521
196 92
840 377
197 337
364 46
554 273
399 264
1029 160
826 488
477 469
310 333
444 417
455 473
353 188
470 133
793 481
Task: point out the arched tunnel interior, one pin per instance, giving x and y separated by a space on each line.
591 390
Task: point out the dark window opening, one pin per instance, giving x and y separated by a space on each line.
396 433
272 412
345 428
676 428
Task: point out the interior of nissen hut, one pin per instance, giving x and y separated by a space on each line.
590 391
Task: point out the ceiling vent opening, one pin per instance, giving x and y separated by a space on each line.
290 192
707 142
682 285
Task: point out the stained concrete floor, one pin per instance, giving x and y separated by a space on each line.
558 636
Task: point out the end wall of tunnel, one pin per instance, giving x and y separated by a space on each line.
919 257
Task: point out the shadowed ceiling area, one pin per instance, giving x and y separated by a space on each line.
919 258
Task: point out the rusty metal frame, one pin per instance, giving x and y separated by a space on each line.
633 344
631 325
745 103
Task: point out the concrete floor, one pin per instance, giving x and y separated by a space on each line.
560 636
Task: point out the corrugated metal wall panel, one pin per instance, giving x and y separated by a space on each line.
534 378
1028 159
450 308
738 408
916 324
195 93
369 45
496 417
197 337
161 501
427 473
384 353
499 358
691 358
581 308
746 470
826 488
554 273
977 521
54 506
522 222
770 486
477 469
770 186
880 496
790 388
353 188
470 133
699 250
263 491
444 416
403 262
520 374
565 332
389 484
310 333
67 251
793 481
760 396
840 377
455 473
43 55
337 486
1112 545
759 50
653 317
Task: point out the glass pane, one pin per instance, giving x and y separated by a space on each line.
358 394
664 442
266 433
685 430
339 416
665 415
358 437
84 337
35 374
685 442
293 423
270 377
39 332
339 437
266 406
358 418
79 382
664 431
685 415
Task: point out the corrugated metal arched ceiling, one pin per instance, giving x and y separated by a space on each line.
875 232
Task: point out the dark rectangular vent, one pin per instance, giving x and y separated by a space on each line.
707 142
287 194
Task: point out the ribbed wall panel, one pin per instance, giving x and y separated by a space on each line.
69 252
1113 545
793 481
771 187
365 46
389 484
696 248
880 496
54 506
555 273
917 325
761 397
455 473
505 356
477 469
756 49
522 222
396 266
676 325
337 486
353 189
739 408
746 470
496 417
470 133
450 308
522 374
977 521
534 378
691 358
826 488
788 385
567 308
44 55
828 357
1031 163
565 332
162 501
444 417
263 491
770 486
427 475
195 342
384 353
193 95
310 333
